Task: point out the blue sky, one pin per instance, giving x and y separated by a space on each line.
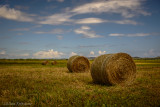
62 28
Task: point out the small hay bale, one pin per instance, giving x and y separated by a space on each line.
44 63
112 69
53 62
78 64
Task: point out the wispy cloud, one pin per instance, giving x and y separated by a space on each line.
20 29
87 33
90 21
127 8
132 22
57 19
130 35
37 26
13 14
98 20
48 54
54 31
26 29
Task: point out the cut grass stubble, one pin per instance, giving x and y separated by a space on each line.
47 85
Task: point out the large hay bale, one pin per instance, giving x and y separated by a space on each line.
78 64
53 62
112 69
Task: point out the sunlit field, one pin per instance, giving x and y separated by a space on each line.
27 82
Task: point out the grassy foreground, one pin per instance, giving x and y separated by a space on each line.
28 83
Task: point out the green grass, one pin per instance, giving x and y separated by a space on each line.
27 82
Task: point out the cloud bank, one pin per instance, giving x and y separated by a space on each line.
48 54
127 9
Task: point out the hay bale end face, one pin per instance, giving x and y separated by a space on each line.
112 69
78 64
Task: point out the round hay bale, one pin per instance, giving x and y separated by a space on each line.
112 69
53 62
78 64
44 63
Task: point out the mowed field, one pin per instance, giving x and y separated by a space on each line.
27 82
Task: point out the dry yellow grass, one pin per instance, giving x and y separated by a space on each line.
39 85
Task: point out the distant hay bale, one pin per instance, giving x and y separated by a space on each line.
53 62
112 69
78 64
44 63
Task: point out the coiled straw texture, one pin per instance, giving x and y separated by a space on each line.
112 69
78 64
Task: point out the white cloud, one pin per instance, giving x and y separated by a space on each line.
127 8
90 21
85 28
91 53
125 22
98 20
60 37
57 19
13 14
72 54
87 33
152 53
2 52
101 52
54 31
48 54
116 34
67 19
131 35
